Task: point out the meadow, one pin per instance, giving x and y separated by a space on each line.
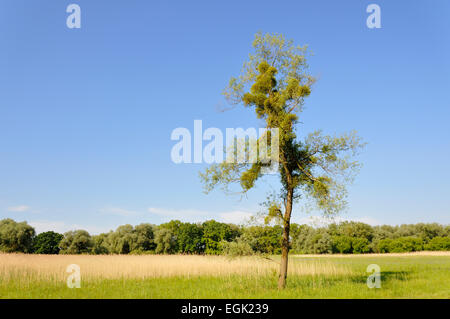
414 275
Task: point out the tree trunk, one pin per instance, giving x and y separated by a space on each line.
284 261
285 241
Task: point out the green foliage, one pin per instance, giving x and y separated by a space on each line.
342 244
165 241
380 233
143 238
384 245
100 244
15 237
215 238
275 81
400 245
295 229
237 248
126 239
76 242
322 243
358 238
301 243
409 237
214 233
438 243
47 243
263 239
312 241
428 231
447 231
360 245
121 241
356 229
189 239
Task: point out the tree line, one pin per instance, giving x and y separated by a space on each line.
216 238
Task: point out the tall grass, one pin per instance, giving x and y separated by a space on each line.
53 267
162 276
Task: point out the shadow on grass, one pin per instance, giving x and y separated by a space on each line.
343 280
386 276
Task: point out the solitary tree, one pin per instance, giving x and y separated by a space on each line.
275 81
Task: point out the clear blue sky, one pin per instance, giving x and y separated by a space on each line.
86 115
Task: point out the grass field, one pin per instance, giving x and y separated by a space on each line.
423 275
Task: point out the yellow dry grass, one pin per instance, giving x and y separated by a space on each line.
53 267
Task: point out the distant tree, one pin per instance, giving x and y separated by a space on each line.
384 245
313 240
400 245
295 229
380 233
356 230
302 243
100 244
438 243
323 243
47 243
237 248
144 238
16 237
342 244
174 227
76 242
405 230
189 239
121 240
383 231
165 241
127 239
275 81
263 239
214 233
360 245
429 231
213 237
447 231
